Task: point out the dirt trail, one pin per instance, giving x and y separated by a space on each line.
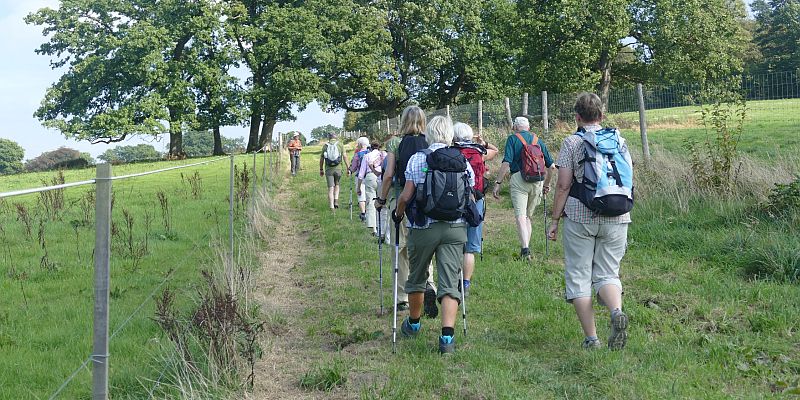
282 299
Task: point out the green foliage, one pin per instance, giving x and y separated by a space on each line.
126 154
784 199
63 157
11 155
712 161
325 377
777 34
576 45
321 132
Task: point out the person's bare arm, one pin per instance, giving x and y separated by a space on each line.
562 192
504 168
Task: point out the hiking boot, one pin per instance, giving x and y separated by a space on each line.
402 306
619 334
429 302
591 344
447 345
525 254
362 217
410 330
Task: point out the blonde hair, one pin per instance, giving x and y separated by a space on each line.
439 130
412 121
462 132
589 107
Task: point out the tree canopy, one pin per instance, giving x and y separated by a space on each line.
167 67
126 154
11 155
63 157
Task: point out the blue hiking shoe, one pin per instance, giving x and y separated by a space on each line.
410 330
447 345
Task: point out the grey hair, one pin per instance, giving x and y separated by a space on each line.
439 130
521 122
362 142
462 132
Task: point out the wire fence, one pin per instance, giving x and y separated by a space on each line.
156 232
770 96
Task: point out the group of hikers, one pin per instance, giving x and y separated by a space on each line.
431 180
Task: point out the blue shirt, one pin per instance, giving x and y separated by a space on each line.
513 151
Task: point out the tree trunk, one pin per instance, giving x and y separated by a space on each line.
218 150
175 134
605 78
255 124
266 132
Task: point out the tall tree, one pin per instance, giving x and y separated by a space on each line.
275 40
778 34
571 44
11 155
128 67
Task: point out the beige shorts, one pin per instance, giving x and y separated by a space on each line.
525 196
592 254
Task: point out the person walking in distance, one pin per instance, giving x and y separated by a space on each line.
295 146
399 149
527 158
594 239
428 236
368 175
330 166
476 154
362 148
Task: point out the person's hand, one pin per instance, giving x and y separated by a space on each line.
546 189
396 218
358 191
379 203
321 173
552 232
496 191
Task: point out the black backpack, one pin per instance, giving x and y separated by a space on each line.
409 145
444 195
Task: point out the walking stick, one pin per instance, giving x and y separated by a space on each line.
484 222
380 262
463 303
396 263
546 242
351 198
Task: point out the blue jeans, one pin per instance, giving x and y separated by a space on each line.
475 234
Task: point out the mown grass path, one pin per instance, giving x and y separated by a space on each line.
698 329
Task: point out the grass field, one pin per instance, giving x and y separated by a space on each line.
46 275
702 324
771 127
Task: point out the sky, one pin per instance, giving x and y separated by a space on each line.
25 76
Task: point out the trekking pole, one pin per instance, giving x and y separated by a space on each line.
396 262
463 303
484 223
546 242
351 198
380 262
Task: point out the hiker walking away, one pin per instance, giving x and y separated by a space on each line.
399 149
362 148
594 237
295 146
368 175
476 154
527 158
427 236
330 166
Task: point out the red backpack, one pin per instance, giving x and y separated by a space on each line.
532 168
475 159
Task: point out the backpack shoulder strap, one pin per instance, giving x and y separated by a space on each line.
535 139
521 139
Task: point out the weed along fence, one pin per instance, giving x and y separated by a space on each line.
154 228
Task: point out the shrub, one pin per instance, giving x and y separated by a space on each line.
58 158
784 200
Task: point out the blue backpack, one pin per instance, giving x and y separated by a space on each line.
607 187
